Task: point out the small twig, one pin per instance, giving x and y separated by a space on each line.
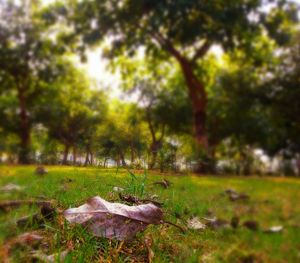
173 224
136 200
16 203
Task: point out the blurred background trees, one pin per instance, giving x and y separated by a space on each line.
211 87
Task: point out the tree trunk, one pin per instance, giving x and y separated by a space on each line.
118 161
156 143
154 149
196 89
24 151
123 159
92 158
198 98
104 163
132 156
66 152
86 158
298 165
74 155
153 160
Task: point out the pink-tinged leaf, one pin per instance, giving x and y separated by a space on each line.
114 220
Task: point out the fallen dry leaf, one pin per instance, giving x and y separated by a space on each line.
118 189
251 224
114 220
11 188
40 170
216 223
27 239
235 222
57 257
235 196
274 229
194 223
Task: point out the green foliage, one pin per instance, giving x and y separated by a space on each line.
184 23
281 93
29 62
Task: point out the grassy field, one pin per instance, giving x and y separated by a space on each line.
273 201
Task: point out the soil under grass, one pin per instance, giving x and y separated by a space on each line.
273 202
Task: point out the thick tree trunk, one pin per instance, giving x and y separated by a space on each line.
24 152
66 152
196 89
198 98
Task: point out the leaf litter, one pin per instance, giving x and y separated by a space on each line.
29 239
236 196
194 223
57 257
11 188
114 220
41 170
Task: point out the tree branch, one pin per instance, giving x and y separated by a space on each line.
168 46
201 51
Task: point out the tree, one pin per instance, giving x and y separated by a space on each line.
28 59
122 136
159 95
281 94
72 118
183 30
97 114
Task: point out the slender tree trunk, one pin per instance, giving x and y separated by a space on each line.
104 163
86 158
66 152
92 158
123 159
74 155
298 164
157 143
132 157
24 151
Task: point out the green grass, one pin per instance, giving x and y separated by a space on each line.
273 201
